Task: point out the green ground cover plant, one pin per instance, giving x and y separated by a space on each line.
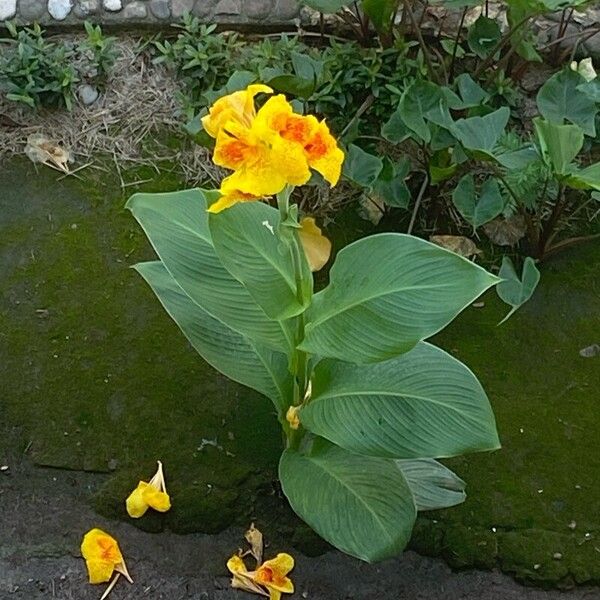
37 72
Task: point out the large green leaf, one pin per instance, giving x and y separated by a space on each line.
387 292
513 290
481 134
422 404
176 224
478 210
560 144
433 485
223 348
560 99
245 239
360 504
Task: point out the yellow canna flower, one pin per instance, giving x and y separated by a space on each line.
270 579
263 161
268 149
320 147
316 246
102 558
149 495
237 107
273 575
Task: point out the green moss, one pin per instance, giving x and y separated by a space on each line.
99 378
545 397
98 375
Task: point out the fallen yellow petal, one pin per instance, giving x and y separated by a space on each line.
136 504
152 494
102 555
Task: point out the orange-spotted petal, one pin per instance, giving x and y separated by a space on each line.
237 107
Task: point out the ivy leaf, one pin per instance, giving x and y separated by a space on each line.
515 291
481 134
560 144
361 167
390 186
476 211
423 100
395 130
559 99
483 36
471 93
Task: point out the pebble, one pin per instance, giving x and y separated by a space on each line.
160 9
8 9
59 9
113 5
557 556
87 94
135 10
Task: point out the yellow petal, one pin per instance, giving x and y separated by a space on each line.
237 107
99 571
136 503
236 565
156 499
272 573
230 195
316 246
324 155
101 553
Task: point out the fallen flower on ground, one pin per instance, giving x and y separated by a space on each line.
103 558
270 579
152 494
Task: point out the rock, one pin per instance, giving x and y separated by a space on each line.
112 5
590 351
592 46
31 10
257 9
285 10
202 9
86 7
59 9
229 8
160 9
87 94
181 7
135 11
8 9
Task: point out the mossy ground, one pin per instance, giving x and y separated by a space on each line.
95 376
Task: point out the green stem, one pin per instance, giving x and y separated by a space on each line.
299 359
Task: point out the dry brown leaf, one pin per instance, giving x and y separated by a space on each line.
369 210
255 538
506 232
458 244
40 149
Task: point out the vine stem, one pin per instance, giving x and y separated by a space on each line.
422 43
413 217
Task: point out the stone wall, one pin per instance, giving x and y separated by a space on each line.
255 13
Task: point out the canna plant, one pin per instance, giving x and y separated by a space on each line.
366 405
